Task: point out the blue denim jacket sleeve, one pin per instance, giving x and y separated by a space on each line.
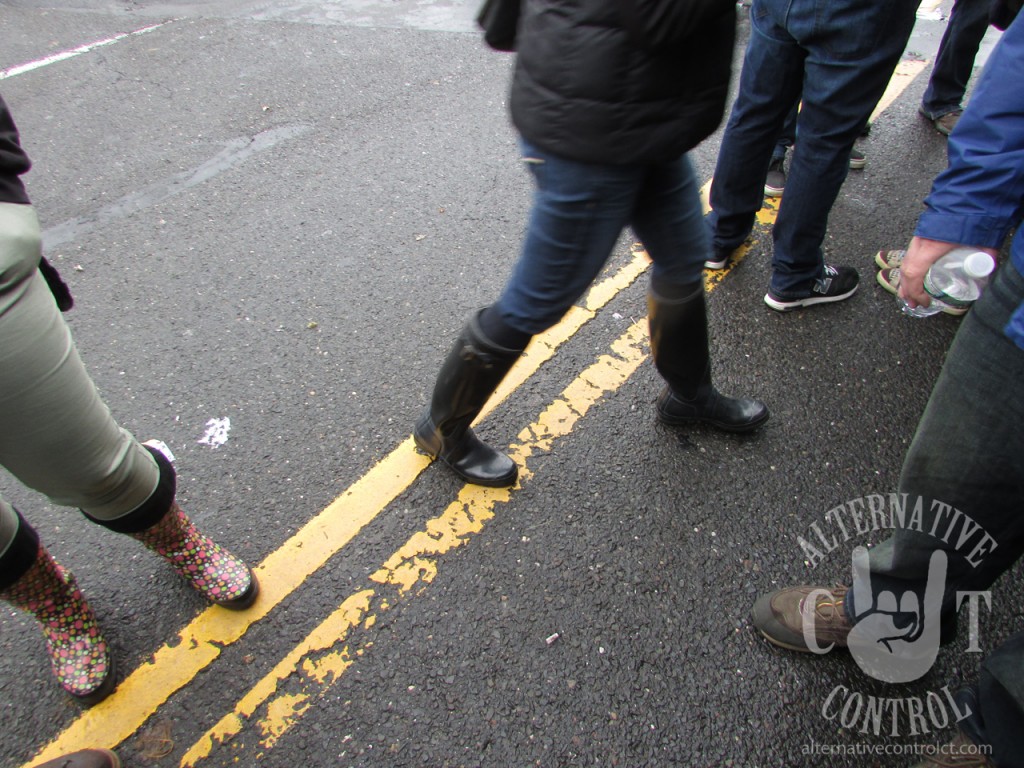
979 198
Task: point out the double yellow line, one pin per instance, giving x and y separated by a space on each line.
319 661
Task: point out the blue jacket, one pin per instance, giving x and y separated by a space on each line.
979 198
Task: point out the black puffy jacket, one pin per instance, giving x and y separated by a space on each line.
13 160
622 81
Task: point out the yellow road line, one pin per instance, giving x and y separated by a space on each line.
904 74
199 644
319 661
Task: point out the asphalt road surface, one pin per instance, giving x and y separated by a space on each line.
274 218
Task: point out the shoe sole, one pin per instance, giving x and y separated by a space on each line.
716 264
773 191
782 305
779 644
857 165
881 263
504 481
683 421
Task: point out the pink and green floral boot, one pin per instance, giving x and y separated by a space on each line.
78 653
217 574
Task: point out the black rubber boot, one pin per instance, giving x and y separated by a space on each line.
472 371
679 345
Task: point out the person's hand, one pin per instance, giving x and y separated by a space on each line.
896 641
921 254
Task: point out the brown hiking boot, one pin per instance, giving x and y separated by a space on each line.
959 753
779 617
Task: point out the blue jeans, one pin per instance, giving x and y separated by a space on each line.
954 62
579 212
837 57
788 135
968 452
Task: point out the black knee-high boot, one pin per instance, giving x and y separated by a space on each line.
470 374
679 346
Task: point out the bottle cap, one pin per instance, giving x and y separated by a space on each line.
979 264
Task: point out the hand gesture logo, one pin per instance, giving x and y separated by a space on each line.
896 639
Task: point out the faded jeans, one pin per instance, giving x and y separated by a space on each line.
579 212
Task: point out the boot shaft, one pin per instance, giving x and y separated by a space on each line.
679 342
474 368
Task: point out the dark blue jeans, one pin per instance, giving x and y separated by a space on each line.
835 55
968 452
954 62
788 135
579 212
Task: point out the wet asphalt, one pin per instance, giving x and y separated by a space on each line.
280 215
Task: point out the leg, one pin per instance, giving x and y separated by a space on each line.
844 77
967 457
979 471
579 211
58 437
788 135
667 218
31 580
954 61
770 84
998 703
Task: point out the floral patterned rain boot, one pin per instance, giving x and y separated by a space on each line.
217 574
78 653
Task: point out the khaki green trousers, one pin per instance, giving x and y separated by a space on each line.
56 435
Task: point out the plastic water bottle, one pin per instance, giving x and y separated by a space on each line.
955 281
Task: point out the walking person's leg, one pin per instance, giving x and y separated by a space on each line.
769 87
668 221
954 63
579 212
845 75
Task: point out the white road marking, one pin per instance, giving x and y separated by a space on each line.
63 55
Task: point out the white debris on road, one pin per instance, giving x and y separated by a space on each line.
216 432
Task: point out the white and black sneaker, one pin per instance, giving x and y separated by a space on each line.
838 283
